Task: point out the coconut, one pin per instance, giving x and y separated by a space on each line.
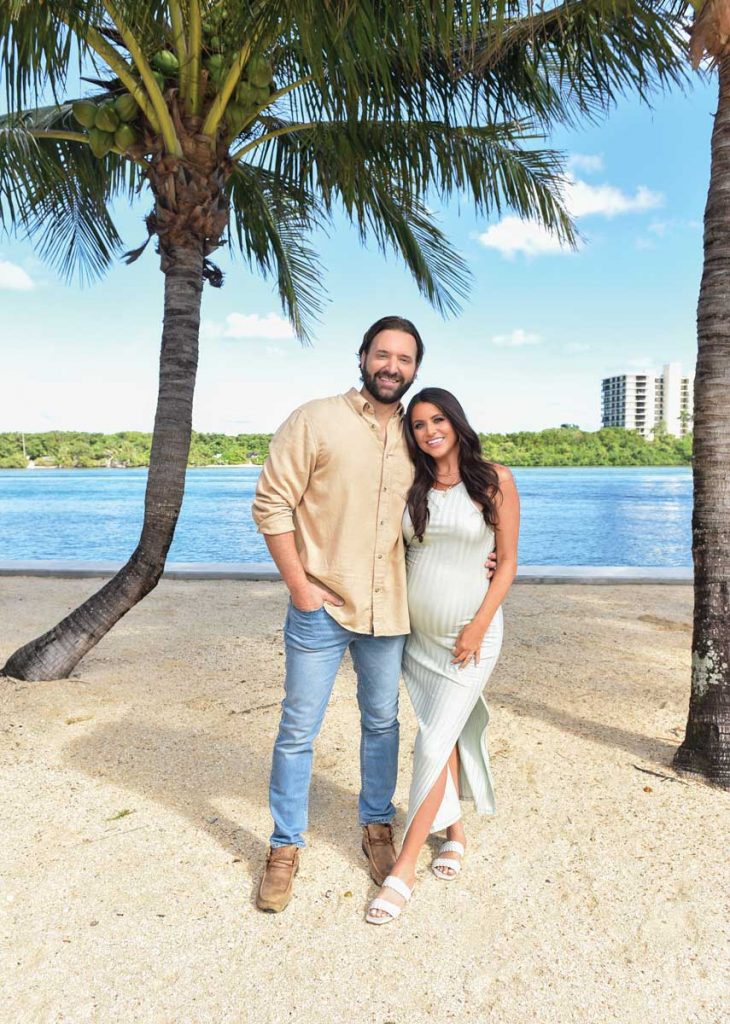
261 96
259 72
165 62
100 141
125 136
213 19
246 94
236 116
85 112
107 118
160 79
126 107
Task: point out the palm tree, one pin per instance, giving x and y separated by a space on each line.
706 746
260 118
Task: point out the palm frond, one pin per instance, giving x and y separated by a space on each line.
271 219
571 60
36 50
55 192
399 223
491 166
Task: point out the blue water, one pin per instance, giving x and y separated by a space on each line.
631 516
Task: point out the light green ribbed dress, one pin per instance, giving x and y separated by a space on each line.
447 582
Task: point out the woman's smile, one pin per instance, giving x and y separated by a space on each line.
433 431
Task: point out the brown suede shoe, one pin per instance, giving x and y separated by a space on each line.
277 882
377 845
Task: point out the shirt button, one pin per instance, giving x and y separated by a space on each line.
385 489
372 426
380 556
382 522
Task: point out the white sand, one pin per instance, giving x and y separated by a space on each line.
598 893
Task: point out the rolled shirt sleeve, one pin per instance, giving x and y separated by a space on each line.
285 476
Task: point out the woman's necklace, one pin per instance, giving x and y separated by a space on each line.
448 486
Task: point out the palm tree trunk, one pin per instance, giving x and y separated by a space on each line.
706 747
57 652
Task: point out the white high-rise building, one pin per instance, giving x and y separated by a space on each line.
642 401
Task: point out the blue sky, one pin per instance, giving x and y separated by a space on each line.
540 329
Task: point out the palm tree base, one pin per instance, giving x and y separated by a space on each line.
55 654
713 766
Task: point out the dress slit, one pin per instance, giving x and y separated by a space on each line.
432 752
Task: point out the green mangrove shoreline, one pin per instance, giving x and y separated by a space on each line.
559 446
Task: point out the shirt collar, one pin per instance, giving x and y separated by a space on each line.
361 405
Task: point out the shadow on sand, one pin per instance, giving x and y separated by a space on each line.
647 748
191 771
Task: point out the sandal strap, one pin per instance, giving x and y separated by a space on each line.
380 904
397 885
447 862
452 846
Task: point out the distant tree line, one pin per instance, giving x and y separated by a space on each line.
569 446
561 446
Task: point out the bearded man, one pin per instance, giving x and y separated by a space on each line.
329 502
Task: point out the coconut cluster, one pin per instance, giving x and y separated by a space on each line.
257 80
109 123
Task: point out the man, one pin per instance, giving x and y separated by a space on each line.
329 503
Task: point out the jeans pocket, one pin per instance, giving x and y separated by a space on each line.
305 613
307 630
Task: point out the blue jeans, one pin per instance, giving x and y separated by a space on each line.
315 646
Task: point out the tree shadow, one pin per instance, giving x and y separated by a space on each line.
645 747
190 771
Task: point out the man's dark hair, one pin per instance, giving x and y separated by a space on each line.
392 323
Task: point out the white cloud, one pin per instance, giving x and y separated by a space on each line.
512 235
516 339
239 325
248 325
584 200
661 228
14 277
589 163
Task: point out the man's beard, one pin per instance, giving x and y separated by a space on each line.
387 397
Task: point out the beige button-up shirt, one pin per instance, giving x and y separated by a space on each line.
332 479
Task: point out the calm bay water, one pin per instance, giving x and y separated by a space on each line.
601 516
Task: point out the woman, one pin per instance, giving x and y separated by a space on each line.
458 506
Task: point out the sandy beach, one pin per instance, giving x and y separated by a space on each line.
134 825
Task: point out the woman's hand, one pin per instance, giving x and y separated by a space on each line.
468 644
491 564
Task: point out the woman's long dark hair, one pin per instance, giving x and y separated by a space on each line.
479 476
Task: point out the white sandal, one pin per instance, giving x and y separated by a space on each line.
391 909
452 846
